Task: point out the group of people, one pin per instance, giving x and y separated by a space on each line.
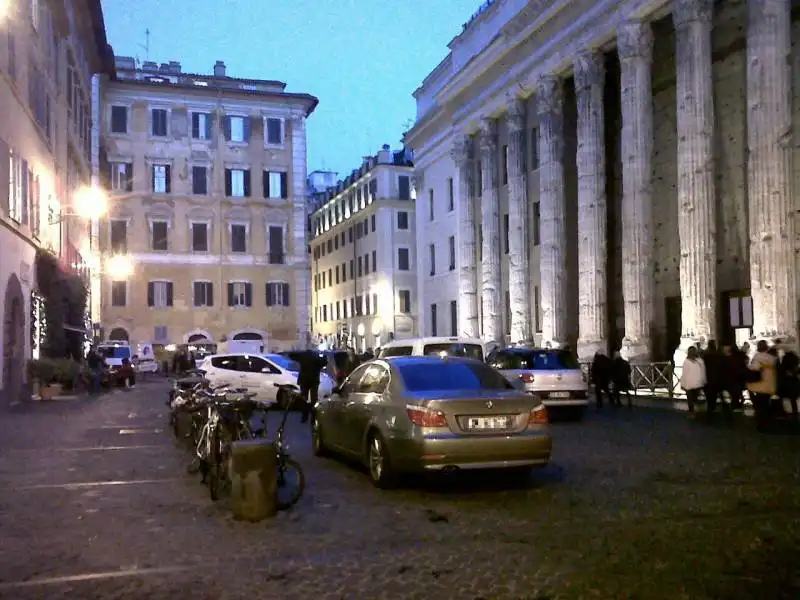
769 378
611 378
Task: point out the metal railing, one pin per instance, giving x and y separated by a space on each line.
654 380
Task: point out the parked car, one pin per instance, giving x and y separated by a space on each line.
338 363
412 414
437 346
553 375
258 373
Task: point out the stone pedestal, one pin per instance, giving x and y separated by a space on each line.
254 480
635 49
518 273
696 198
592 206
552 215
769 170
491 299
467 235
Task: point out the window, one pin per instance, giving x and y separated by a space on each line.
237 129
121 176
274 132
238 234
240 293
374 260
201 126
404 187
352 268
278 293
451 195
360 266
372 223
366 264
119 293
740 311
275 244
276 185
203 293
158 235
419 377
508 312
160 334
159 294
200 180
506 232
537 219
17 185
119 236
159 122
12 57
402 219
434 324
451 243
405 301
161 179
537 302
344 272
453 318
373 189
505 165
432 250
119 119
200 237
367 304
430 205
403 260
237 183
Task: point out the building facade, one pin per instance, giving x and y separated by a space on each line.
625 173
207 192
364 258
46 67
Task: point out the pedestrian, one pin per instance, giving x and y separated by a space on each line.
621 378
308 379
762 382
95 363
734 375
789 382
693 378
600 377
714 375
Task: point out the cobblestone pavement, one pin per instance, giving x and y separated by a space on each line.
95 503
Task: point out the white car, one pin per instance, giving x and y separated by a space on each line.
258 373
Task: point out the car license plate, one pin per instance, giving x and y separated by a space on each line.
559 394
490 423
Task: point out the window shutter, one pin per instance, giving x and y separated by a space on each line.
265 183
227 128
208 126
248 294
151 294
129 177
228 183
284 186
246 128
195 125
210 293
5 176
198 293
270 295
230 294
246 178
152 177
169 293
167 180
286 301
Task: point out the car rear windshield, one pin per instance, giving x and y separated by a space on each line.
453 349
115 351
396 351
545 360
443 375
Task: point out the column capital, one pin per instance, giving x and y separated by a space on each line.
460 150
689 11
515 115
549 95
589 69
488 135
635 40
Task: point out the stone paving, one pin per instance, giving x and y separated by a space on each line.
95 503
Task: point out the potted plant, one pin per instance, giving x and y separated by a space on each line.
67 373
44 373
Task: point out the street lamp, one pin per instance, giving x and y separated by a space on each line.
88 203
4 6
119 267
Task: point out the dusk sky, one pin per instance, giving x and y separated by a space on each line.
361 58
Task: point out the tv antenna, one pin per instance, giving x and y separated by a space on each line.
146 45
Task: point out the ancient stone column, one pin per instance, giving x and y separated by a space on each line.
592 218
491 301
552 215
635 50
467 234
696 199
769 170
519 290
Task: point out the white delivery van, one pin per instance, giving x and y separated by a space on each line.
437 346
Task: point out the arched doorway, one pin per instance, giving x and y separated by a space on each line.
197 337
248 335
118 334
13 340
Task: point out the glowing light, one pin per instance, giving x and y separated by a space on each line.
119 267
4 8
361 330
89 202
376 327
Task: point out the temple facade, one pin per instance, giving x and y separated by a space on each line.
625 174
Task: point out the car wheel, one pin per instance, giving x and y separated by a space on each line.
317 441
378 463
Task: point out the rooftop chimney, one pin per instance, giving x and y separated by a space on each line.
219 69
174 66
385 155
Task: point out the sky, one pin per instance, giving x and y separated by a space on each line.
363 59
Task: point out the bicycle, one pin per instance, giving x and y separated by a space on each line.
284 463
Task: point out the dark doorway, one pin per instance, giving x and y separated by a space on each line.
13 340
118 334
247 335
674 324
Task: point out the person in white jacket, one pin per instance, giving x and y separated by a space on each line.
693 377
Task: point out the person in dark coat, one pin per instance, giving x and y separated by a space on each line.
308 379
621 378
714 377
600 377
734 381
789 381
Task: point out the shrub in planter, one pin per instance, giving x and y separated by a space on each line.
68 373
43 371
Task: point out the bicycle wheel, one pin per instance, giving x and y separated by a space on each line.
218 466
291 483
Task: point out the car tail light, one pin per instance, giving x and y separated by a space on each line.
538 416
526 378
425 417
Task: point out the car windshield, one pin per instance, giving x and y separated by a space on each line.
421 377
454 349
283 362
544 360
115 351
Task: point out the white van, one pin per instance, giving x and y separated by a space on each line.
437 346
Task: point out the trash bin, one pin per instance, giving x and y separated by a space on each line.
254 481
